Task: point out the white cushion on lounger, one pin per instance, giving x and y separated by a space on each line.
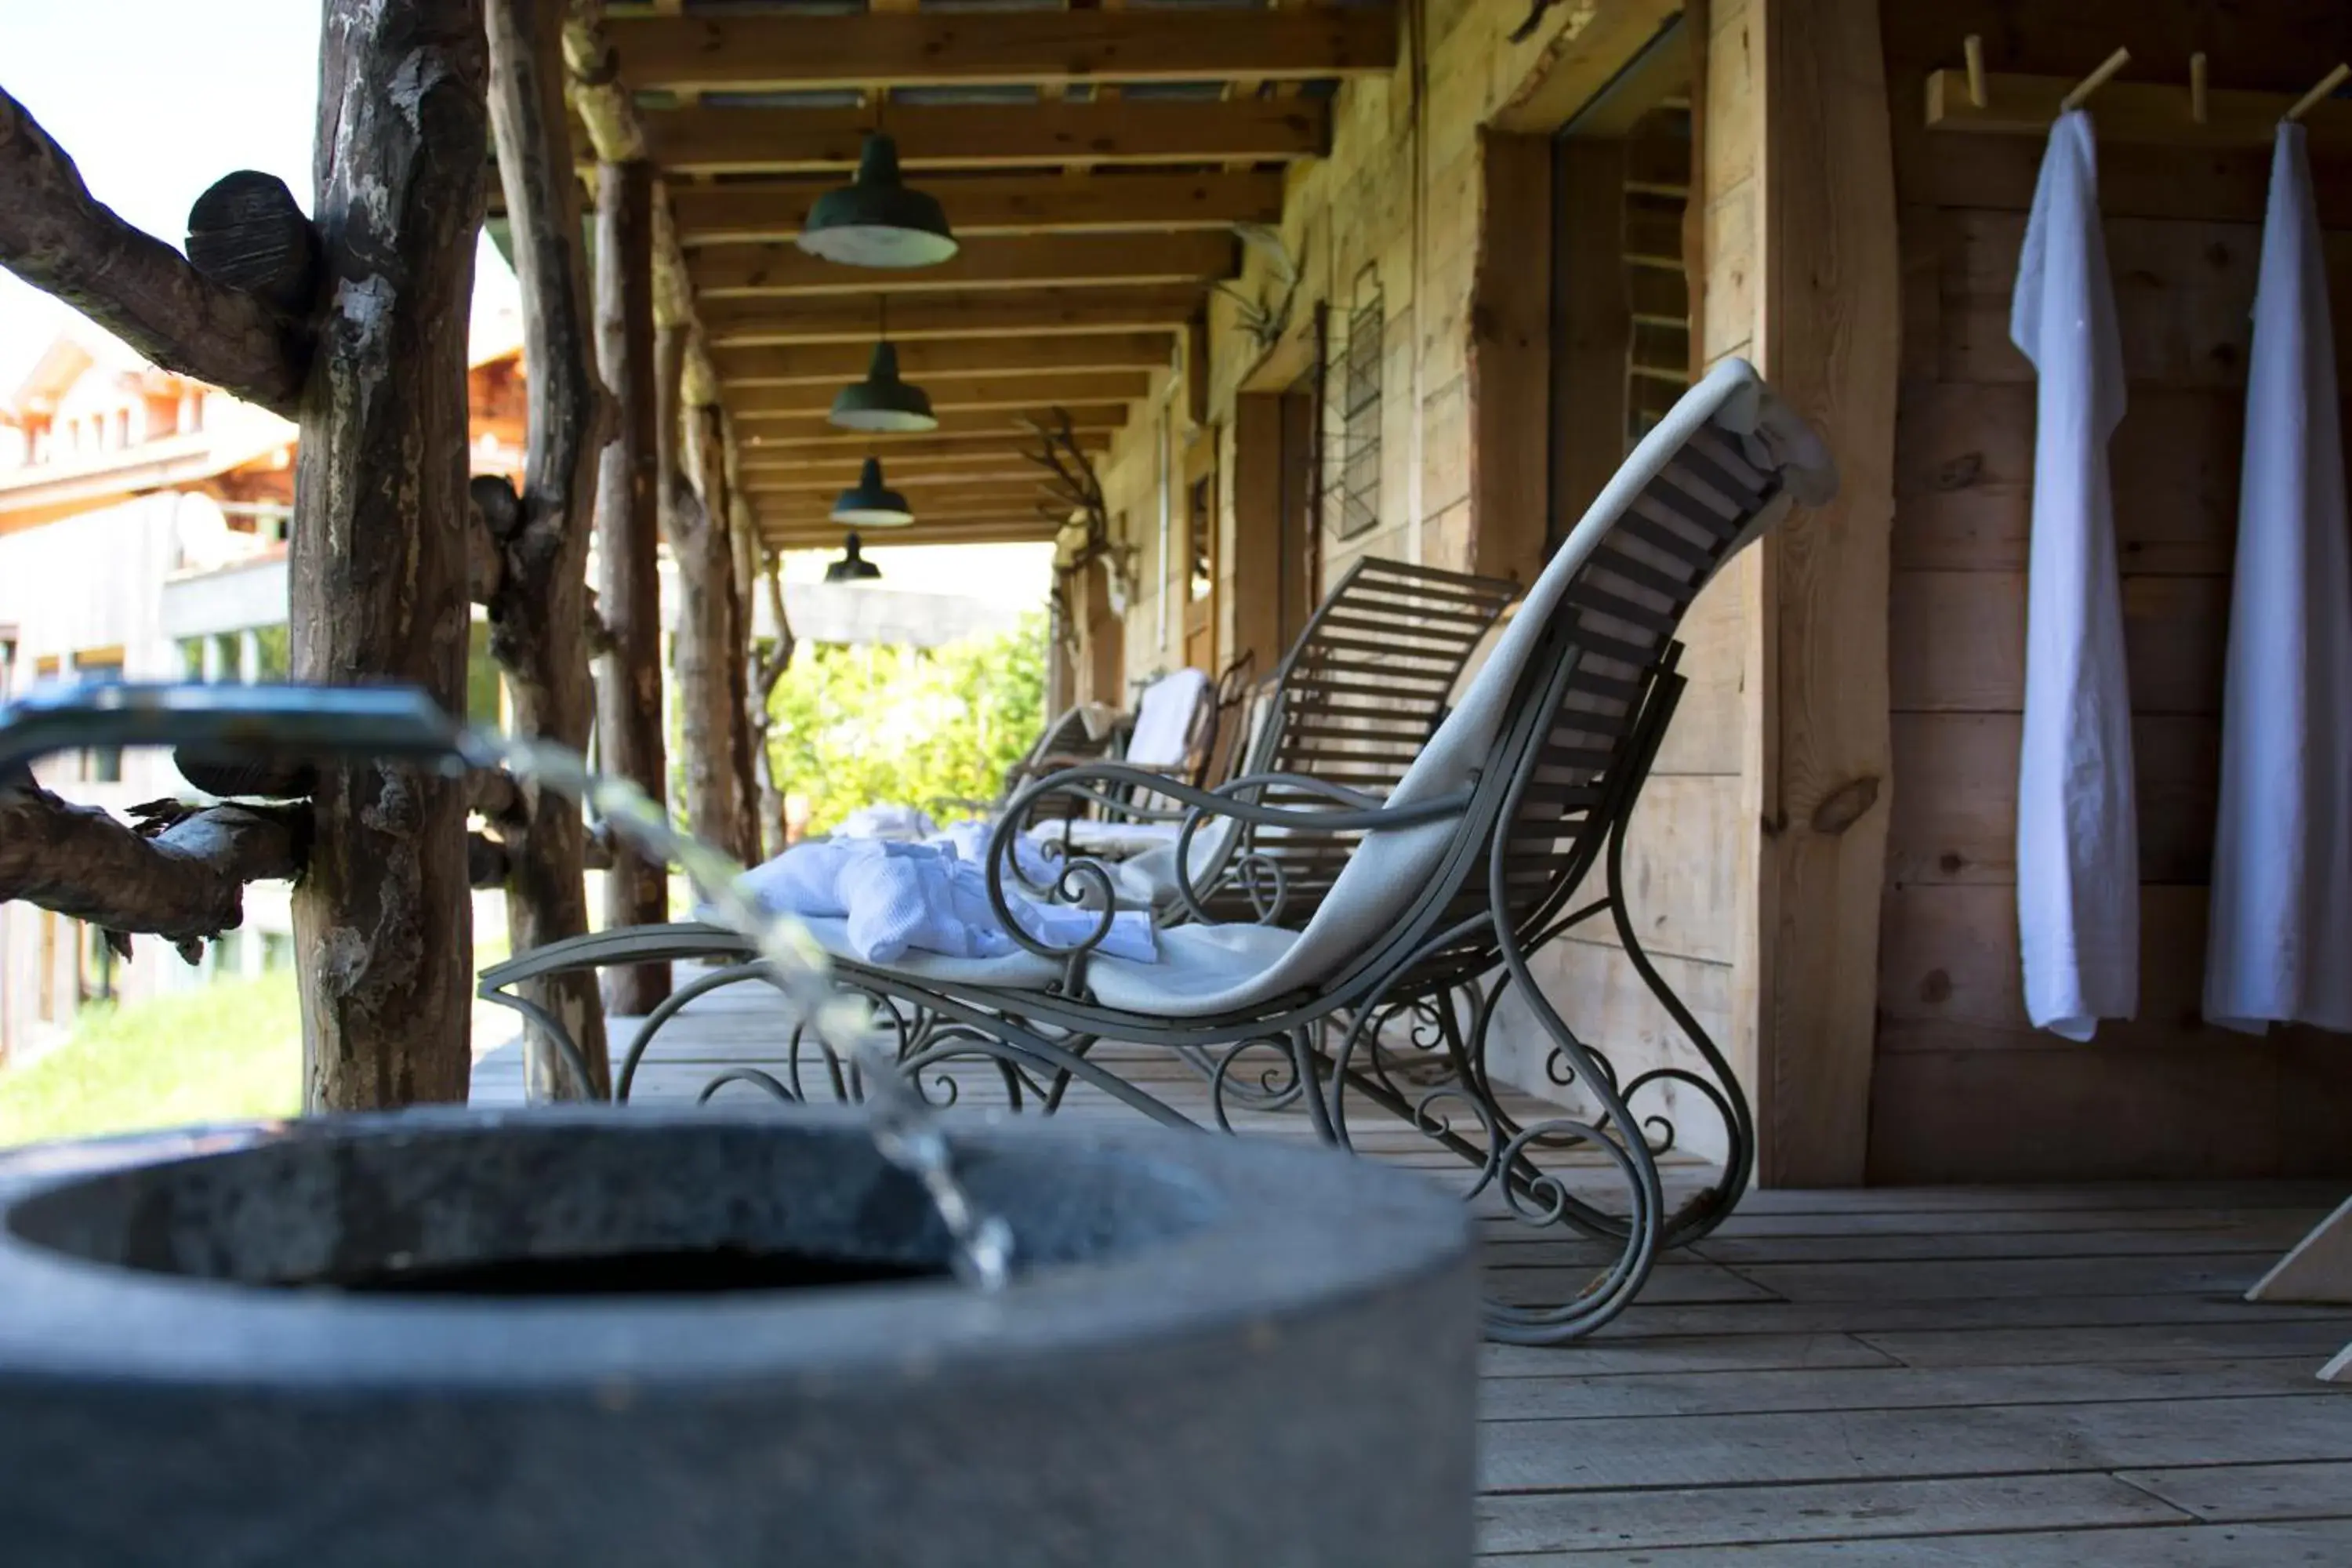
1195 961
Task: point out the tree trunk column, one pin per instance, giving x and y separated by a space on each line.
539 612
383 929
710 694
628 584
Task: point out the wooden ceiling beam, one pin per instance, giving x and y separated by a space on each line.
1007 424
940 487
903 453
980 313
738 53
752 404
989 261
998 204
709 141
938 359
827 537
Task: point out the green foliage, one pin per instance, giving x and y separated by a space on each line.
230 1050
862 726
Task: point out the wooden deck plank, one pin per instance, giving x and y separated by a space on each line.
1578 1396
1878 1444
2325 1543
1839 1510
2225 1340
2236 1493
1993 1279
1874 1319
1626 1358
2258 1233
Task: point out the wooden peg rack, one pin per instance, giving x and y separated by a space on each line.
2156 113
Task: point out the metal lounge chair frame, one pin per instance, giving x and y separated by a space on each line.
1550 803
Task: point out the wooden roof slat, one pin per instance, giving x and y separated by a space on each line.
769 52
751 404
901 453
813 430
968 530
973 474
936 359
998 204
709 140
991 313
987 261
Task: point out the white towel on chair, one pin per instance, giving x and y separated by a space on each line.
1163 720
894 899
2077 839
2280 941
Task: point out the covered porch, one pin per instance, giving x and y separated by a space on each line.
2038 1376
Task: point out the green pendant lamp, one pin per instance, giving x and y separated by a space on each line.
851 567
871 504
875 220
882 402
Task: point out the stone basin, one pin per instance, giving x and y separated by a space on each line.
585 1337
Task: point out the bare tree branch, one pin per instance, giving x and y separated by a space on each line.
185 883
60 238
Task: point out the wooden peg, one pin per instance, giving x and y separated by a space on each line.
1973 47
2197 88
2318 95
2090 84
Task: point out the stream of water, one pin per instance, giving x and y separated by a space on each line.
904 1128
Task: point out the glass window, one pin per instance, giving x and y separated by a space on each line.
102 764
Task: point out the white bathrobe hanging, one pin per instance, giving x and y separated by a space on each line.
2077 839
2280 942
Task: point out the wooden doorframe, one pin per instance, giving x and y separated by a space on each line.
1200 630
1275 451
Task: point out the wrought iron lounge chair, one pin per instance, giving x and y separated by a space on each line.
1470 865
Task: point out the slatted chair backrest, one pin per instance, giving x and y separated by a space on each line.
1361 692
1553 737
1610 656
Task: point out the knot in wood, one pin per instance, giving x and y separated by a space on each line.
1844 805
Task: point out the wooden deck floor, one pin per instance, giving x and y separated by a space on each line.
1896 1377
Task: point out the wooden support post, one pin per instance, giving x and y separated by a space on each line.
628 587
1511 349
1828 316
1586 390
710 683
382 923
538 611
773 658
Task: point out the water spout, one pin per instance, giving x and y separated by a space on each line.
400 722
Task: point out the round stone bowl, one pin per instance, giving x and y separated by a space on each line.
584 1337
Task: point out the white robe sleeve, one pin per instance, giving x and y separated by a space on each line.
2077 837
2279 945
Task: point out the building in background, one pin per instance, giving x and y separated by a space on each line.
142 535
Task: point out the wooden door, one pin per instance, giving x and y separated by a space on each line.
1299 564
1200 585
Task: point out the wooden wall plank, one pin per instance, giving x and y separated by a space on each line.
1965 1089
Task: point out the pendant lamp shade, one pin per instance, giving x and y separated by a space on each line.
871 504
875 220
851 567
882 401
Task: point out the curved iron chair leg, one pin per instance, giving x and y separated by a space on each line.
670 1007
575 1061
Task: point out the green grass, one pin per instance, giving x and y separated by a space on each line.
231 1049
